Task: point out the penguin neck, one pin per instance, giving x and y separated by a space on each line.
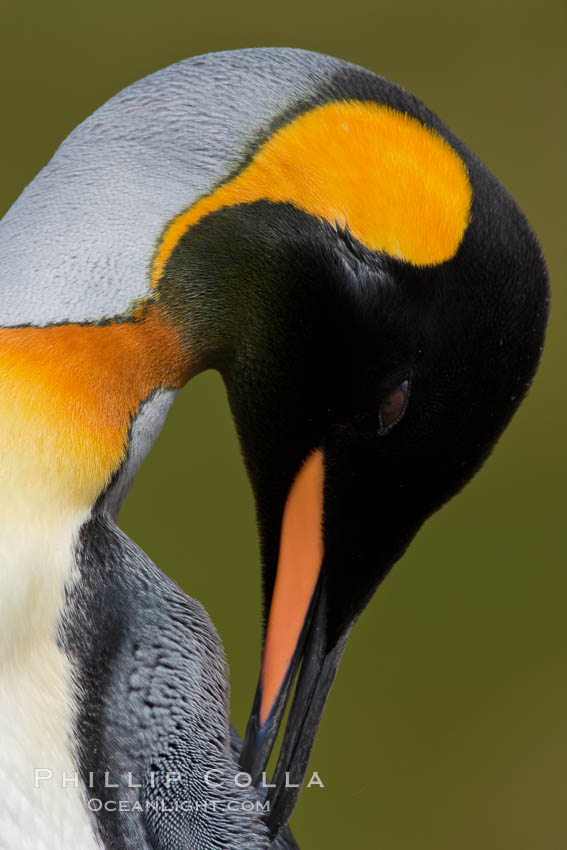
70 400
86 342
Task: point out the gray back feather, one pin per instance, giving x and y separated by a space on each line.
78 243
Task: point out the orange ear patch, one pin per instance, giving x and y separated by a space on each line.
299 564
397 185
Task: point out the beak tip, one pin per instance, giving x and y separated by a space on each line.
253 747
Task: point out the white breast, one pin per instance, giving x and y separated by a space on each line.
36 701
36 813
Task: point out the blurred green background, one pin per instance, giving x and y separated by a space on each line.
447 726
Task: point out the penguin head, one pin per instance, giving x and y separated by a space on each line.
366 390
376 303
393 381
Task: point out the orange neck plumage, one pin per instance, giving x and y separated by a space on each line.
68 395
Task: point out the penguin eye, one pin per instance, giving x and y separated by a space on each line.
393 407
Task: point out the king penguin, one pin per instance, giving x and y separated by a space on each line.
375 303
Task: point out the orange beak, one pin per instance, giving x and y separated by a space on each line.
296 633
299 565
